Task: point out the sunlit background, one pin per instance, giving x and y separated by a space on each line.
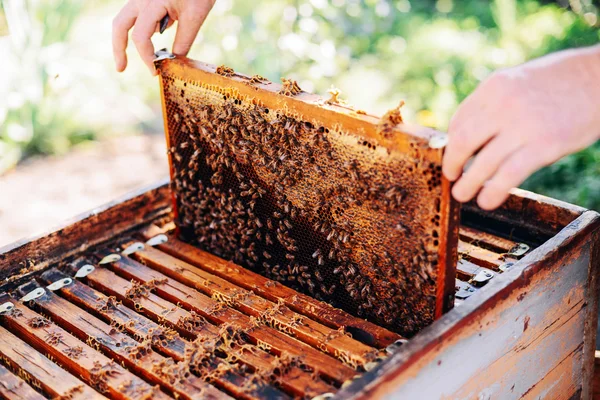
74 133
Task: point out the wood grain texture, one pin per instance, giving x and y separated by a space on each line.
120 347
367 332
485 239
592 294
524 323
14 388
77 357
172 345
40 372
319 336
527 214
293 380
192 300
482 257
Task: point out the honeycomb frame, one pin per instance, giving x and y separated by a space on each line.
326 199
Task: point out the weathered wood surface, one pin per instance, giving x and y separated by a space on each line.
75 356
485 239
172 345
482 257
467 270
124 350
319 336
293 380
529 214
521 334
192 300
368 333
14 388
591 322
40 372
27 256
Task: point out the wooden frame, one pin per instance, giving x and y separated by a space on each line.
180 75
532 330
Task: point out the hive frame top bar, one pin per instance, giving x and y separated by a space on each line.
306 104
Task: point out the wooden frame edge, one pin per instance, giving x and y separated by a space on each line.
85 230
571 236
303 104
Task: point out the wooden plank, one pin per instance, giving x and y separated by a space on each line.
362 330
293 380
467 270
25 257
484 239
153 367
215 370
259 334
40 372
482 257
348 350
592 295
525 214
14 388
560 383
513 332
75 356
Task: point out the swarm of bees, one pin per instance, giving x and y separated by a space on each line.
303 204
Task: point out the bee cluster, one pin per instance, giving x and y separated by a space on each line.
319 209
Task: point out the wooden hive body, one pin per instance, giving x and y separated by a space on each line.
528 332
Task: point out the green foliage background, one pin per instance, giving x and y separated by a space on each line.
431 53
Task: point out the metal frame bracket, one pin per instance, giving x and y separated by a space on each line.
518 250
481 278
59 284
84 271
110 259
6 307
163 54
34 294
158 239
132 248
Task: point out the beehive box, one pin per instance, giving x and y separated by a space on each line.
527 331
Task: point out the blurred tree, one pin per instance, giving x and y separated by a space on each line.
432 53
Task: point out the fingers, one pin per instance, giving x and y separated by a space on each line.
187 28
512 173
145 26
470 129
484 166
120 31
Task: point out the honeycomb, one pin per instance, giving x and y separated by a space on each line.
332 202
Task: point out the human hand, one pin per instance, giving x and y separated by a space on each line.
523 118
144 17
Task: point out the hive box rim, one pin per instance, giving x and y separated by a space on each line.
153 202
